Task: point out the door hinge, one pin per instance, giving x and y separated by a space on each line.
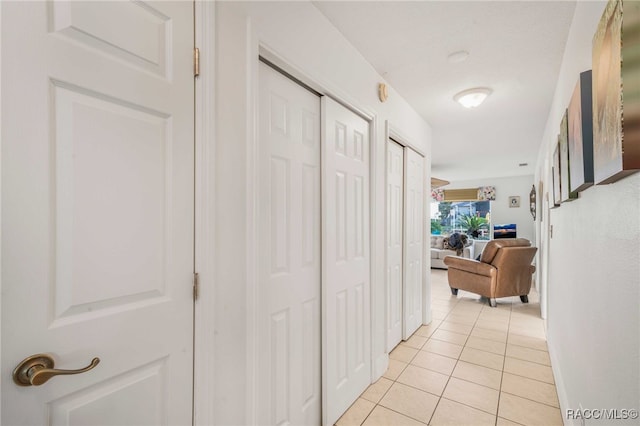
196 286
196 62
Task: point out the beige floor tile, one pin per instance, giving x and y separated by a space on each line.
486 359
465 307
468 297
529 342
477 374
520 352
403 353
449 336
443 348
426 380
376 391
527 329
451 413
486 345
456 328
489 313
495 325
461 319
411 402
527 412
526 312
483 333
505 422
394 369
476 396
444 303
356 414
416 341
528 369
439 314
381 416
427 330
524 321
530 389
434 362
537 332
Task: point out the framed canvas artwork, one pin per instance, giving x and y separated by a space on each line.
581 135
563 140
616 92
555 172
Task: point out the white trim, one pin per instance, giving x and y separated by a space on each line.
252 194
373 220
204 314
560 386
1 224
394 133
323 87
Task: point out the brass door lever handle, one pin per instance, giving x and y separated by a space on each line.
37 369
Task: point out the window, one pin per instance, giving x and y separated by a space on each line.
469 217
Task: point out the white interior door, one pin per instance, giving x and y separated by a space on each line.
346 335
289 386
395 238
97 220
413 240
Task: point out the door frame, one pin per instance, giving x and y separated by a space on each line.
0 205
204 261
392 132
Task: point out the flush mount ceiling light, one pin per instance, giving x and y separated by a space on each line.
471 98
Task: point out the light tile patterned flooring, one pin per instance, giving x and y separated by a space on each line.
473 365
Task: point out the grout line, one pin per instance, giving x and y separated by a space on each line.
504 360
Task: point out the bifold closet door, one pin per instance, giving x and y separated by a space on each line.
395 239
413 240
346 335
288 209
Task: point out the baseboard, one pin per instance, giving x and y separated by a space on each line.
381 364
560 387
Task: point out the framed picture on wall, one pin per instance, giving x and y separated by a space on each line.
616 134
581 135
555 173
566 194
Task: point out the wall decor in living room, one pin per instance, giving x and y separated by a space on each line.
565 181
581 135
555 170
616 92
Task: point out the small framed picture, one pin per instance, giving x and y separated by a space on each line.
514 201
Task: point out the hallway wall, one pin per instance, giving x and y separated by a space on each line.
296 36
594 267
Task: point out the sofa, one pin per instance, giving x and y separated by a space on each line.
439 252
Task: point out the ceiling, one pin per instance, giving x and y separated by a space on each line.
515 48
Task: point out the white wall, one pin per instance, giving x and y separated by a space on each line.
594 266
501 212
300 39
